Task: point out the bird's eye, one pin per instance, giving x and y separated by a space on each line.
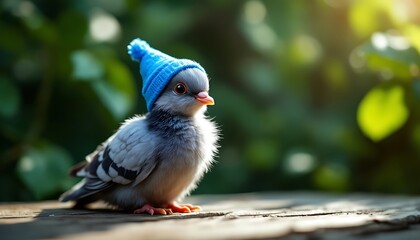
180 88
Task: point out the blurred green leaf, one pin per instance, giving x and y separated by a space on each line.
364 15
86 66
110 79
332 177
9 98
386 52
117 90
43 169
382 111
412 32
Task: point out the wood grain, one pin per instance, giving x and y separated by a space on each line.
289 215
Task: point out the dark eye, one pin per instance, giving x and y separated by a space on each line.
180 88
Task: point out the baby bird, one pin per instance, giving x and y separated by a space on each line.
154 160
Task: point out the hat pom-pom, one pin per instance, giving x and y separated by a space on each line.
137 49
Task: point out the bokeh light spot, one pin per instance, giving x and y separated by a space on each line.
254 12
379 41
300 162
104 27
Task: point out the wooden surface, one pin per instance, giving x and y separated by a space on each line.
292 215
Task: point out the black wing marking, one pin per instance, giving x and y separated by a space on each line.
108 163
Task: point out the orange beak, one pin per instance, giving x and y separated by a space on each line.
204 98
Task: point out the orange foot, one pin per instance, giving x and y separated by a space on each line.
169 209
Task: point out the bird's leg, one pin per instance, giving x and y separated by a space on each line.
146 208
183 208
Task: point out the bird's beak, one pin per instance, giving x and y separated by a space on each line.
204 98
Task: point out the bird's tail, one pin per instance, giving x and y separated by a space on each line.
76 192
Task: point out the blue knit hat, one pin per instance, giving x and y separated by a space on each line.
156 68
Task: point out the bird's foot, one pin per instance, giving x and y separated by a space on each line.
169 209
152 210
183 208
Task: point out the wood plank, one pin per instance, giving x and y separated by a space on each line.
291 215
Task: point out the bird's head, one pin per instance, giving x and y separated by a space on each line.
186 93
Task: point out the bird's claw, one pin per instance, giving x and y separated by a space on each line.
152 210
170 209
184 208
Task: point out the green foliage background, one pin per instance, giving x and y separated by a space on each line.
318 95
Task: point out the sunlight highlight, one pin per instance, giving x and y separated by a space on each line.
300 162
254 12
104 27
379 41
382 41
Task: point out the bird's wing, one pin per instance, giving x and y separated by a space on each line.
129 156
